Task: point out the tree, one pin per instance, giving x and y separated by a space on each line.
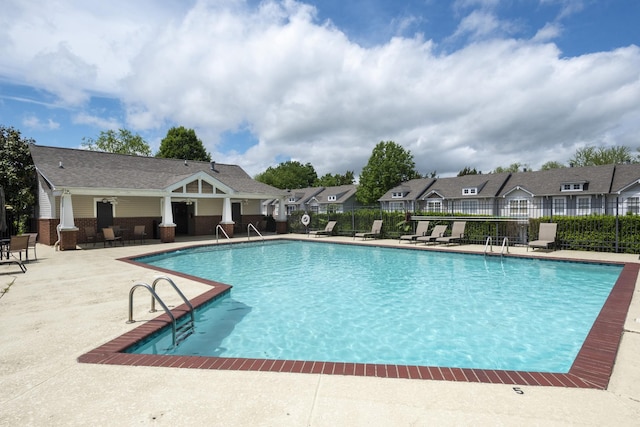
513 168
594 156
389 165
468 171
182 143
329 180
288 175
121 142
17 176
551 165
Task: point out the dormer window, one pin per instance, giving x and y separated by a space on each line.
331 198
469 191
292 199
573 186
397 195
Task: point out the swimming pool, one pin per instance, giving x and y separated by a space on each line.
299 300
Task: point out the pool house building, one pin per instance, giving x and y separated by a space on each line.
82 190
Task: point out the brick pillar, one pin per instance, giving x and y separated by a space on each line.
68 239
281 227
167 233
228 228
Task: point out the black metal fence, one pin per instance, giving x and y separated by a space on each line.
608 227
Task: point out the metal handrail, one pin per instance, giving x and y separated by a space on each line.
223 232
153 293
488 243
249 227
172 283
505 244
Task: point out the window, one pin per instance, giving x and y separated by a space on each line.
559 206
434 206
396 206
331 198
573 187
469 206
469 191
292 199
397 195
583 205
633 205
519 207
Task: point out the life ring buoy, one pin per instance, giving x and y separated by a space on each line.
305 220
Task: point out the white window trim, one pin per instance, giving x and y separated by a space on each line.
470 191
518 209
564 206
586 210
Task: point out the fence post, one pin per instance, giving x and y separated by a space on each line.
617 226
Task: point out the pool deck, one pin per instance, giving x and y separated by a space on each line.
69 303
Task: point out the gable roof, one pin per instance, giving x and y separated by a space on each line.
411 190
549 182
487 185
341 192
624 177
68 168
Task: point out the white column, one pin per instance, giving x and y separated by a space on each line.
282 210
66 212
227 218
167 213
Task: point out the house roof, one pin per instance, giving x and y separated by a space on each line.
411 190
302 195
597 180
624 177
341 192
487 185
67 168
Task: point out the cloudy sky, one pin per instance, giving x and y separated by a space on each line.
478 83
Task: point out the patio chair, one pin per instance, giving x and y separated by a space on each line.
376 230
421 230
139 233
91 234
17 244
457 233
32 245
546 236
438 231
328 230
110 237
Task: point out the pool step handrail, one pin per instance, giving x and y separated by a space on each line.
155 296
488 245
505 244
178 291
219 227
249 227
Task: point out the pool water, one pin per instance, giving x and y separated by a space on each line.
299 300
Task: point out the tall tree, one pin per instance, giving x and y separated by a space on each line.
389 165
594 156
17 175
182 143
513 168
468 171
551 164
120 142
288 175
328 180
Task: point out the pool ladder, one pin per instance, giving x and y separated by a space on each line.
489 245
178 332
219 227
249 227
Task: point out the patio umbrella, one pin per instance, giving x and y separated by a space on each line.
3 212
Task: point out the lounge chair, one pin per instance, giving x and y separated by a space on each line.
438 231
376 230
110 237
139 233
546 236
421 230
328 230
32 244
457 233
17 244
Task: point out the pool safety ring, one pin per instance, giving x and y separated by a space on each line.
305 219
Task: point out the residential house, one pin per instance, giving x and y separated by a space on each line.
80 189
405 197
337 199
625 190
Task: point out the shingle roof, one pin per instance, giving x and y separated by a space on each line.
624 176
411 189
342 193
74 168
487 185
549 182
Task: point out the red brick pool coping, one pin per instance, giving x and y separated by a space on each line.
592 367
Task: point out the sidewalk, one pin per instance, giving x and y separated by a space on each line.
74 301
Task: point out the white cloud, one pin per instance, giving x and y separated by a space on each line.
310 94
33 122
